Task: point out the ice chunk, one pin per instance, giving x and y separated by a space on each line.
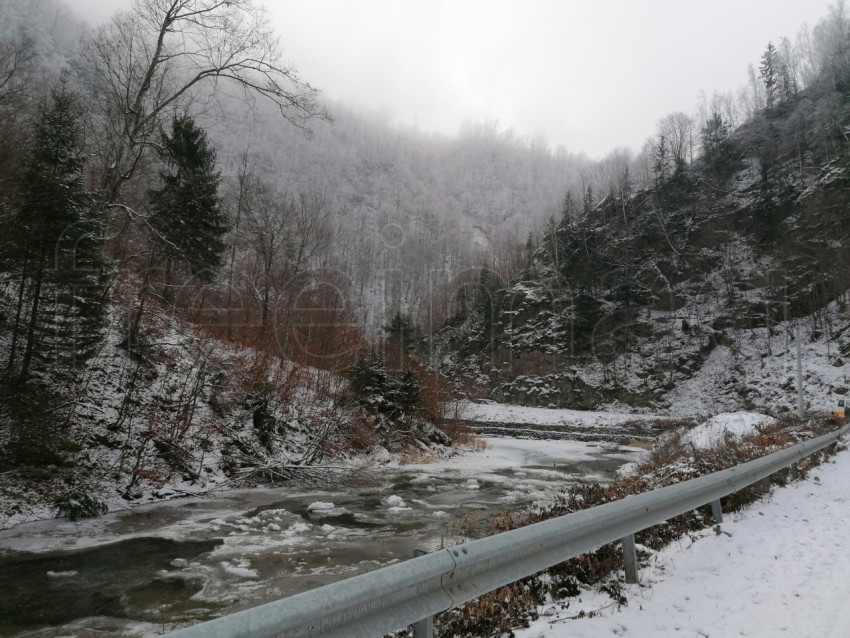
319 506
298 528
239 570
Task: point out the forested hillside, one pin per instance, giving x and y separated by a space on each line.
174 317
211 274
689 294
410 211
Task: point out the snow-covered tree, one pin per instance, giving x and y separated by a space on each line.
187 221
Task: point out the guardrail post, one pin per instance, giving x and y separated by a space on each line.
425 627
630 558
716 511
795 472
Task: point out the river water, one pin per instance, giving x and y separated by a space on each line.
150 569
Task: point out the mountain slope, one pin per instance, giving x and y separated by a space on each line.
708 275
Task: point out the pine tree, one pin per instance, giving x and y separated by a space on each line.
55 239
587 204
409 393
769 73
660 161
186 216
487 302
569 210
369 382
718 151
402 331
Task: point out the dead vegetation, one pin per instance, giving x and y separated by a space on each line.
498 613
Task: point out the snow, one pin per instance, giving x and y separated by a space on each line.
712 433
397 505
506 413
714 582
239 570
778 568
496 453
320 506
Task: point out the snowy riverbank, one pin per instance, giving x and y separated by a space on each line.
777 568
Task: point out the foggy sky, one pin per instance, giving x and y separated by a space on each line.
588 75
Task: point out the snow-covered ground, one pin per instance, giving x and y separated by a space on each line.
713 432
491 412
780 568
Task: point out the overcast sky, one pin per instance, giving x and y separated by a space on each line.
590 75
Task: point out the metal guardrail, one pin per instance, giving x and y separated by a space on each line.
393 597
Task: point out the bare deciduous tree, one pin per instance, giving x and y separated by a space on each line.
281 236
17 66
151 60
678 130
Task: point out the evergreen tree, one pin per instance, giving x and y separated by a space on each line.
402 332
487 302
54 238
718 151
409 393
569 210
769 74
587 204
660 161
382 393
369 382
186 214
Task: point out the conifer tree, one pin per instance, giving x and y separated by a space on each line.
369 381
718 151
402 332
409 393
660 161
769 74
55 239
188 223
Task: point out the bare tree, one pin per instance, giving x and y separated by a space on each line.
831 47
152 59
282 235
268 223
678 131
17 66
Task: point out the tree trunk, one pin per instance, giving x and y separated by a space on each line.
36 298
18 311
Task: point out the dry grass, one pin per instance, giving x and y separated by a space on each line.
498 613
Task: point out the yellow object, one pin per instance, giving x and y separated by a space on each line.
840 410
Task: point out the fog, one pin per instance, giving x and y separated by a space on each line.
587 76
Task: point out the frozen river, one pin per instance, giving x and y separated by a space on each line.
149 569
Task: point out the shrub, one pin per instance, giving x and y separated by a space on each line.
77 503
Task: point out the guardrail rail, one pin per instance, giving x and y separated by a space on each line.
411 592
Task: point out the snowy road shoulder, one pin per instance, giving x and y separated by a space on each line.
778 568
